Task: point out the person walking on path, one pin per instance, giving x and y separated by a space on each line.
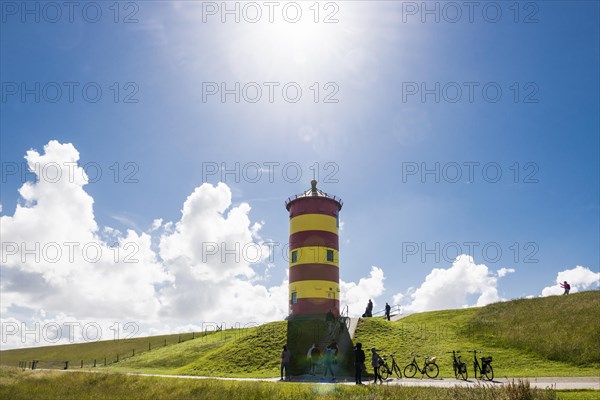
329 362
376 361
313 356
359 361
387 311
286 357
565 285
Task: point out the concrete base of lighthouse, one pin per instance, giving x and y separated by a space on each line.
305 330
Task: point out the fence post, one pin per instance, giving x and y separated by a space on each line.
148 346
94 363
105 361
132 352
66 365
165 341
81 363
179 339
117 357
193 335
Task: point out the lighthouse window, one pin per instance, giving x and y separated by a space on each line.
294 256
330 255
294 299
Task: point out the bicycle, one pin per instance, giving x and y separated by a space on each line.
430 368
385 371
485 369
460 368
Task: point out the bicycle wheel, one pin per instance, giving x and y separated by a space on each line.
432 370
384 371
396 370
488 371
462 371
410 370
455 371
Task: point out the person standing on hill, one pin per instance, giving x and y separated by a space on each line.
359 361
369 309
286 357
565 285
387 311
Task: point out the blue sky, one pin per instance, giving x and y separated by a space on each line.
544 125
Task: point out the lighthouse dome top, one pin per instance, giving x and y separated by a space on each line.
313 192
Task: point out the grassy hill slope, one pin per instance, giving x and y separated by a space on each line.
248 352
90 351
554 336
559 328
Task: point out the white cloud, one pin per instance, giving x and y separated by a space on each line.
356 296
214 240
397 298
54 256
450 288
502 272
157 223
580 278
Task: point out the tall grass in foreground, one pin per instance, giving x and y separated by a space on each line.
17 384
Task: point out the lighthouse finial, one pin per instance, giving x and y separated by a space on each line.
313 185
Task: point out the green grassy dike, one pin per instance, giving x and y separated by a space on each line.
552 336
17 384
543 337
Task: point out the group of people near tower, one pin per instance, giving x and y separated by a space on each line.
327 357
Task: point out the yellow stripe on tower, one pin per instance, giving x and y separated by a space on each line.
314 255
315 289
313 222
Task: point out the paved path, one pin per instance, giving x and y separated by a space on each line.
559 383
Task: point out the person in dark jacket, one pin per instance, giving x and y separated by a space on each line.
359 361
387 311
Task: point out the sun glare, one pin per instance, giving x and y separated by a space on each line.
291 46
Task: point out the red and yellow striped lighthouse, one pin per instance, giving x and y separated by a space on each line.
314 259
